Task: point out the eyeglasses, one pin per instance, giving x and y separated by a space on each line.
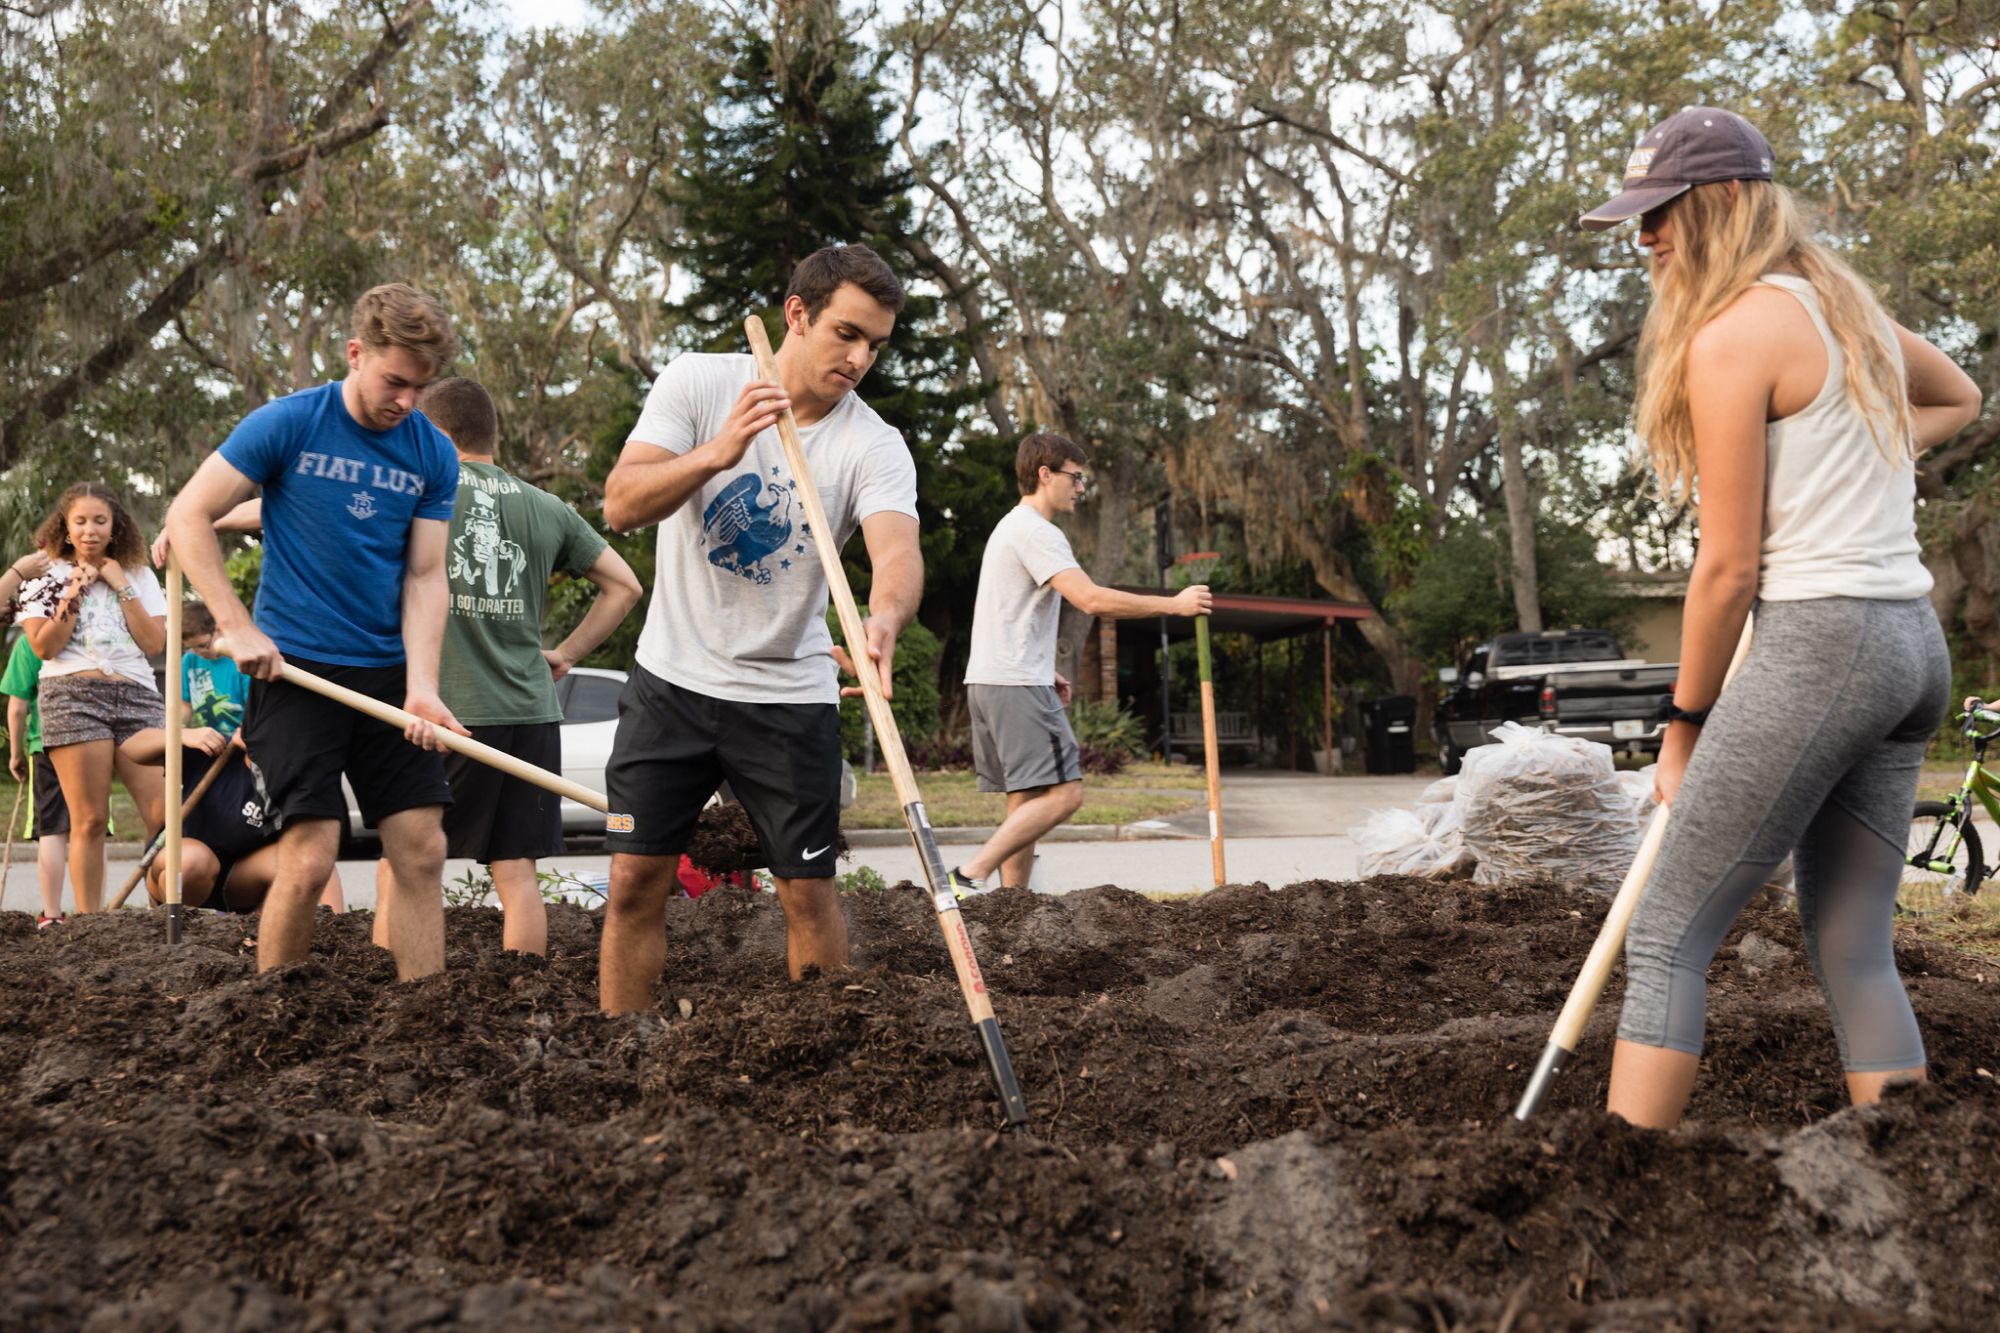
1076 479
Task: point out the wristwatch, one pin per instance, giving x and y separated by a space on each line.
1669 712
128 593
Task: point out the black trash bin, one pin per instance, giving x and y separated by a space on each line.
1390 728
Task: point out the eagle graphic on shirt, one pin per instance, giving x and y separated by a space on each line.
747 522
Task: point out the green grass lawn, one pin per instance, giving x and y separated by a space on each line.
126 826
1142 791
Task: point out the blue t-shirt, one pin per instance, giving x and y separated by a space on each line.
338 505
217 689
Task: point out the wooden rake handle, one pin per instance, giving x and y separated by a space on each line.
971 982
477 751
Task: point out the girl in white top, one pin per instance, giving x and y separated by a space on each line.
94 619
1774 388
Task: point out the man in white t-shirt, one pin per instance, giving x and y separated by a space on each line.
736 675
1021 740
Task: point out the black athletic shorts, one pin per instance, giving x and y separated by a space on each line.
232 820
494 817
51 810
301 742
673 748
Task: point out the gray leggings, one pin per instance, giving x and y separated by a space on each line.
1815 747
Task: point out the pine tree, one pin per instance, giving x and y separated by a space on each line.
792 155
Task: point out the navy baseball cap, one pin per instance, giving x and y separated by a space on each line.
1694 146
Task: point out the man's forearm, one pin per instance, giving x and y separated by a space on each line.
426 600
897 588
1115 604
604 615
636 494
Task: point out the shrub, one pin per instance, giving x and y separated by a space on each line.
1107 728
915 701
1101 763
940 753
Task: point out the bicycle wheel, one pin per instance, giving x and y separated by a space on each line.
1943 860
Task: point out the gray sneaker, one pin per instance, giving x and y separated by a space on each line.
962 887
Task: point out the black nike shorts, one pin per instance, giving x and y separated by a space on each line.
674 747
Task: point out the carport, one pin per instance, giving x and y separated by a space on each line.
1295 621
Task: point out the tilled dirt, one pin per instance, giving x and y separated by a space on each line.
1254 1110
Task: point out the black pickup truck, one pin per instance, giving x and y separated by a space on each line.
1574 682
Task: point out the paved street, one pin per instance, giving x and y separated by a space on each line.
1280 828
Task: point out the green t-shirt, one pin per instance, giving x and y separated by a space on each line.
507 537
21 679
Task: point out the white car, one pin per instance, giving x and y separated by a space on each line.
589 700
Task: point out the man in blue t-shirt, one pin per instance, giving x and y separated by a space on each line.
357 497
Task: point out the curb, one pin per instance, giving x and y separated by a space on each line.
1133 832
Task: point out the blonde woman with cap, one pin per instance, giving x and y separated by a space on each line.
1775 391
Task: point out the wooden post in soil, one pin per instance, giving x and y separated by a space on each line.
170 797
1210 758
959 944
1211 750
1604 951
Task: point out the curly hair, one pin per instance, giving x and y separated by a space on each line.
126 546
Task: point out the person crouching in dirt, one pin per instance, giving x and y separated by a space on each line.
1769 374
1021 739
229 840
357 496
735 678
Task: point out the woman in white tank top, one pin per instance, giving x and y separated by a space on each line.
1776 392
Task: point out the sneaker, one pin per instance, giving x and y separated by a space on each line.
43 921
960 886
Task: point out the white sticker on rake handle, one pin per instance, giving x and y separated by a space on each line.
618 823
1214 826
946 901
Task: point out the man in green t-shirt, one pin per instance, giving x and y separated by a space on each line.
48 821
507 539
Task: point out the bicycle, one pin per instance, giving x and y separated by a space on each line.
1944 856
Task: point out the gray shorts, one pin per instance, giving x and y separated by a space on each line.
1021 738
89 707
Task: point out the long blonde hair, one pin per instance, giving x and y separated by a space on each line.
1721 247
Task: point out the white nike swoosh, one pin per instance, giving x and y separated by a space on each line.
810 854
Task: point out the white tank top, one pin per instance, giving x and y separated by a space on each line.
1840 519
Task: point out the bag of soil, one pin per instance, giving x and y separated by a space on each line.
1538 805
1425 841
1638 785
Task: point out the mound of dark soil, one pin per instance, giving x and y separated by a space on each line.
724 842
1253 1110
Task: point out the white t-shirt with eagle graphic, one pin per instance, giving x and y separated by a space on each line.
739 602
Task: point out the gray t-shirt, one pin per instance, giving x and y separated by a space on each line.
739 601
1014 620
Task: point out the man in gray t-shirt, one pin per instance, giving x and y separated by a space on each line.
736 674
1021 740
